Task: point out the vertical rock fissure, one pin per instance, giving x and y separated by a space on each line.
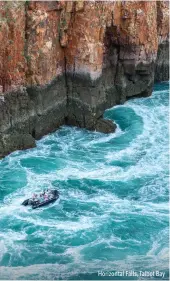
26 37
66 84
32 131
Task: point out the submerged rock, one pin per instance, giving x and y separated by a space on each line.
105 126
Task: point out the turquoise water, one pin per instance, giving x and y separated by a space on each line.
113 208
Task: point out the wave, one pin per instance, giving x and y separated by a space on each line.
113 206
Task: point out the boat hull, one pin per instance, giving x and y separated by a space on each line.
44 203
36 205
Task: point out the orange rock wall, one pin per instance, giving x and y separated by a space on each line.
44 54
65 62
12 37
39 40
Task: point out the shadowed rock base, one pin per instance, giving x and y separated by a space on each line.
162 63
29 114
15 141
32 112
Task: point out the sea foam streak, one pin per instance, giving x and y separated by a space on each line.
113 206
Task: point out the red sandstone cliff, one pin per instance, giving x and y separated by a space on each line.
68 61
38 36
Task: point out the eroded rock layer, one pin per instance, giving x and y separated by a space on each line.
65 62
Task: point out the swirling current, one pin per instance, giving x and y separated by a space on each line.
112 213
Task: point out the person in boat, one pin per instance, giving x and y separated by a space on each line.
34 197
46 196
45 191
50 195
41 198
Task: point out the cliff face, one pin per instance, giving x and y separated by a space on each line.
66 62
162 61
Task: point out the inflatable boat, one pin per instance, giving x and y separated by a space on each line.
52 194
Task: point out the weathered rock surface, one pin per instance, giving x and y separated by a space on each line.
65 62
162 61
105 126
15 141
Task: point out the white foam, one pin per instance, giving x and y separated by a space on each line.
149 152
83 223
